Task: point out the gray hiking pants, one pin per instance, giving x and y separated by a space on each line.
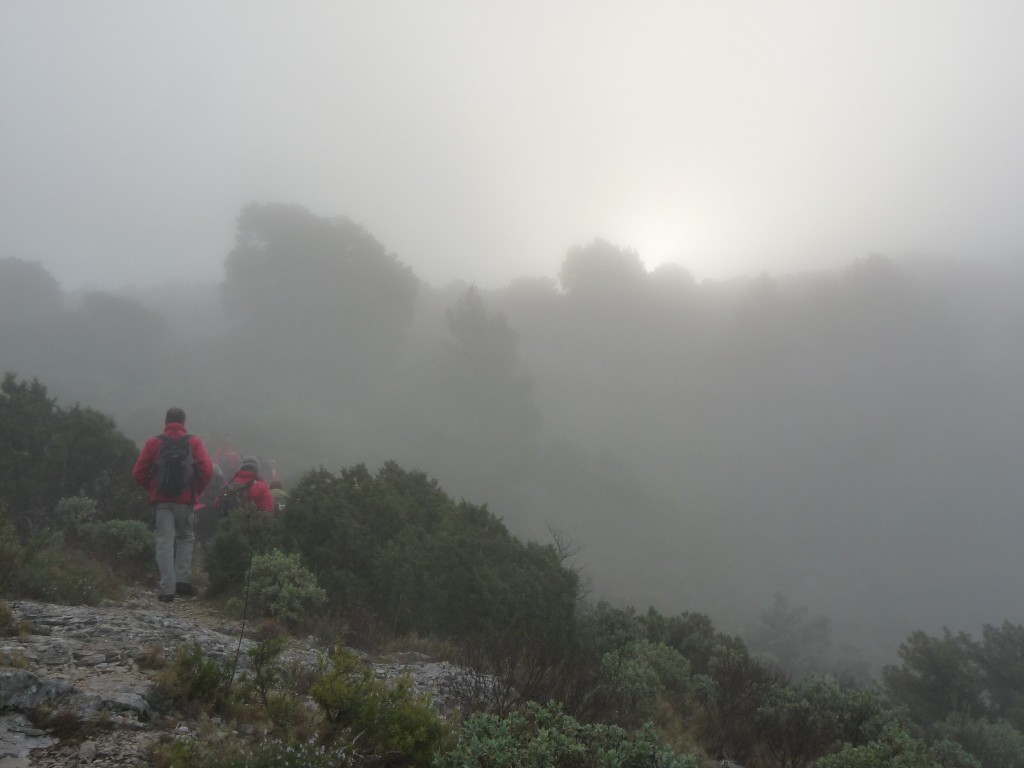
174 529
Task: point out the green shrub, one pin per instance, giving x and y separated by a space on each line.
8 626
425 563
547 736
307 752
280 689
53 573
394 544
72 513
625 677
936 677
48 452
897 749
11 556
240 536
266 669
735 687
993 744
393 724
124 545
281 587
194 680
73 558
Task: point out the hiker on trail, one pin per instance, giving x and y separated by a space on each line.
175 468
280 495
249 486
228 458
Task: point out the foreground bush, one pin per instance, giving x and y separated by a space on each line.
240 537
394 546
993 744
547 736
194 681
53 573
394 725
126 546
394 542
897 749
268 753
797 723
281 587
11 554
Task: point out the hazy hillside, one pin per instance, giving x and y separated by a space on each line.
848 438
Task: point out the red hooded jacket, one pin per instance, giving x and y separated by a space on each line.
145 468
258 493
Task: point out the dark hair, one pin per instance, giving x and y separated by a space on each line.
174 416
275 484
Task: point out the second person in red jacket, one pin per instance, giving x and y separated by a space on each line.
258 492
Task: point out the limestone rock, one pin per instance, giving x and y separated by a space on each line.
85 662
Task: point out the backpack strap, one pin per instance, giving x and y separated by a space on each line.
195 469
230 489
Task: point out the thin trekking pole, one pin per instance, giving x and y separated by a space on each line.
245 611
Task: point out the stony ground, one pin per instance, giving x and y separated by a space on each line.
84 662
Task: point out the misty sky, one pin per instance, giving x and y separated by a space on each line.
480 141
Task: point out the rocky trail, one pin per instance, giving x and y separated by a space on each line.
86 664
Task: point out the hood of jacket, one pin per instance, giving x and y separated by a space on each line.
174 429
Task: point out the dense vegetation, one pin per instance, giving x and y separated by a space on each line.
561 680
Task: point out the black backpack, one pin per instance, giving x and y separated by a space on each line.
231 497
175 466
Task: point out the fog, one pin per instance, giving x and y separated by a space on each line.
726 293
480 141
849 439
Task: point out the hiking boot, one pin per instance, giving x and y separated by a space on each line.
166 598
185 589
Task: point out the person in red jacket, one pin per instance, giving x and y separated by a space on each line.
257 491
173 508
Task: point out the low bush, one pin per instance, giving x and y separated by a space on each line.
547 736
63 723
993 744
52 572
393 724
231 752
151 658
274 685
72 514
797 723
281 587
898 749
8 624
241 536
193 681
310 752
126 546
11 555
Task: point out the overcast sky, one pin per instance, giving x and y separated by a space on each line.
480 140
